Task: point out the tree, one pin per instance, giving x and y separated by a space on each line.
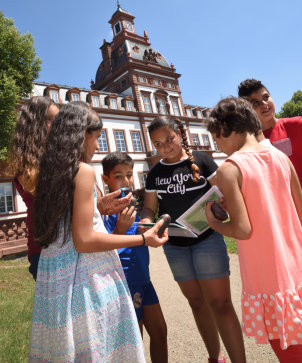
293 107
19 67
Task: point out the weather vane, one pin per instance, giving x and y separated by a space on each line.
118 5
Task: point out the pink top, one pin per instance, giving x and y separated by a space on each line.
271 259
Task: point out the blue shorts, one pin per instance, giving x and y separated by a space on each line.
205 260
143 295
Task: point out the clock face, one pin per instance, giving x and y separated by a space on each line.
128 26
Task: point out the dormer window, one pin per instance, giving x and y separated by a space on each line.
129 105
95 101
117 28
113 103
128 26
157 82
198 114
170 85
189 113
54 95
75 97
142 79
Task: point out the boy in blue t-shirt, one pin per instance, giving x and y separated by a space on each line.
118 173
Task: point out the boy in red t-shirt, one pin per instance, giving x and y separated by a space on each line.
284 133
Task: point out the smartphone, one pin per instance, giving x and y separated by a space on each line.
219 212
167 221
124 192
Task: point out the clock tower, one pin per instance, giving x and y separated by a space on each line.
130 66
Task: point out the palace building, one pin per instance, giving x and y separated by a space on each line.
134 83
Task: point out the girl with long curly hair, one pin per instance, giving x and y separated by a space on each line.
31 130
82 309
200 265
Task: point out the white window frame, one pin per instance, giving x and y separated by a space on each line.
120 140
143 178
130 105
75 97
136 141
7 192
196 140
206 140
54 95
142 79
189 112
162 106
95 101
102 140
176 109
113 103
147 105
198 114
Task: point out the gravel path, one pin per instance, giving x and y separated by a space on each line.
184 342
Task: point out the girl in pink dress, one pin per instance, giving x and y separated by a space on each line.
264 199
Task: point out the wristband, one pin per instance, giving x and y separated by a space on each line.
144 239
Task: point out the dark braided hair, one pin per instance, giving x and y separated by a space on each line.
175 125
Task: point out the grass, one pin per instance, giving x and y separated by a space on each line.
16 300
231 244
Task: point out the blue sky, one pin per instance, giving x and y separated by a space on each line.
214 44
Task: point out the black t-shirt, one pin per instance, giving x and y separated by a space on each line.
176 191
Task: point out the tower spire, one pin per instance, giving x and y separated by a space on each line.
118 5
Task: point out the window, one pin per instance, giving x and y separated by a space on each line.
95 101
142 179
195 139
120 141
142 79
170 85
54 95
175 108
113 103
75 97
136 140
6 198
216 146
103 143
189 113
206 140
198 114
147 104
204 113
117 28
157 82
162 106
129 105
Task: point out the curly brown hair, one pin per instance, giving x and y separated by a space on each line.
175 125
29 141
64 150
233 114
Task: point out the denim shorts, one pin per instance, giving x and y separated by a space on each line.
205 260
141 296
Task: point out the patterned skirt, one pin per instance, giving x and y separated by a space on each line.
82 309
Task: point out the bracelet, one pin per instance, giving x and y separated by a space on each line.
144 239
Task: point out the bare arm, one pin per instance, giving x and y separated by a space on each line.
229 181
150 207
84 237
109 204
296 190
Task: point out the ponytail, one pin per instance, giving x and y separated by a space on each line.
194 167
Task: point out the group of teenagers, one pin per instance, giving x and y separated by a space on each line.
90 260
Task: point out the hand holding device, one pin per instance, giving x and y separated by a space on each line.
167 221
219 212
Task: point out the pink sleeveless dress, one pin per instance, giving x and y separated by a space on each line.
271 259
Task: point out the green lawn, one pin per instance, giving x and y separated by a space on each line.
16 299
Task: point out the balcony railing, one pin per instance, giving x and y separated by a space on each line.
13 236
